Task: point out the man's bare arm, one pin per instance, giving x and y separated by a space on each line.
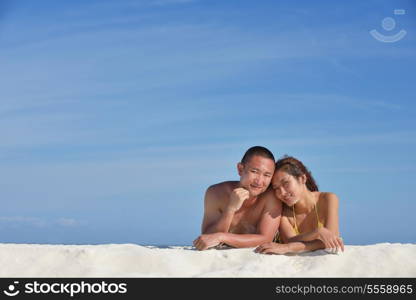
220 208
267 226
214 220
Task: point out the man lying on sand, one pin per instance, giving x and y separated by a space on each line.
242 213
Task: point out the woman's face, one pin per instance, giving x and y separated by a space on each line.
287 187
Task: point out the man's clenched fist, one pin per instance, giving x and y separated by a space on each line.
237 197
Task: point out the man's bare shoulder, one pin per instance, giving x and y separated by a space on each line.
224 187
220 192
269 199
268 194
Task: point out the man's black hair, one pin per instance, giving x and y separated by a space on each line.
257 150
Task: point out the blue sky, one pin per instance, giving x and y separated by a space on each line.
115 116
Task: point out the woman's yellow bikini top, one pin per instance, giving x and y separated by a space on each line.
320 224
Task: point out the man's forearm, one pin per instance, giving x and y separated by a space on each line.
244 240
222 225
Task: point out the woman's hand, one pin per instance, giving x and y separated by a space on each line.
270 248
332 241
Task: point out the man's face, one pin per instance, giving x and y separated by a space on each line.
256 174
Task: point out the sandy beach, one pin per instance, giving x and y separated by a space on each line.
130 260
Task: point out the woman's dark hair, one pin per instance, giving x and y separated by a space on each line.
295 167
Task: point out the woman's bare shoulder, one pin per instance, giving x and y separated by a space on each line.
328 198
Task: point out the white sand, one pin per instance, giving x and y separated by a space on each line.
128 260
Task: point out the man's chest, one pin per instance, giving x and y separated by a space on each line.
245 221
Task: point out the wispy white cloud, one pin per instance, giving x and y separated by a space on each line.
69 222
39 222
150 57
85 125
41 129
104 7
171 2
390 138
20 220
354 102
369 170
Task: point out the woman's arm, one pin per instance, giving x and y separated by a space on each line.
329 234
320 238
287 233
295 247
331 217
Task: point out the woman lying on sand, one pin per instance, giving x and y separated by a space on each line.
309 218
